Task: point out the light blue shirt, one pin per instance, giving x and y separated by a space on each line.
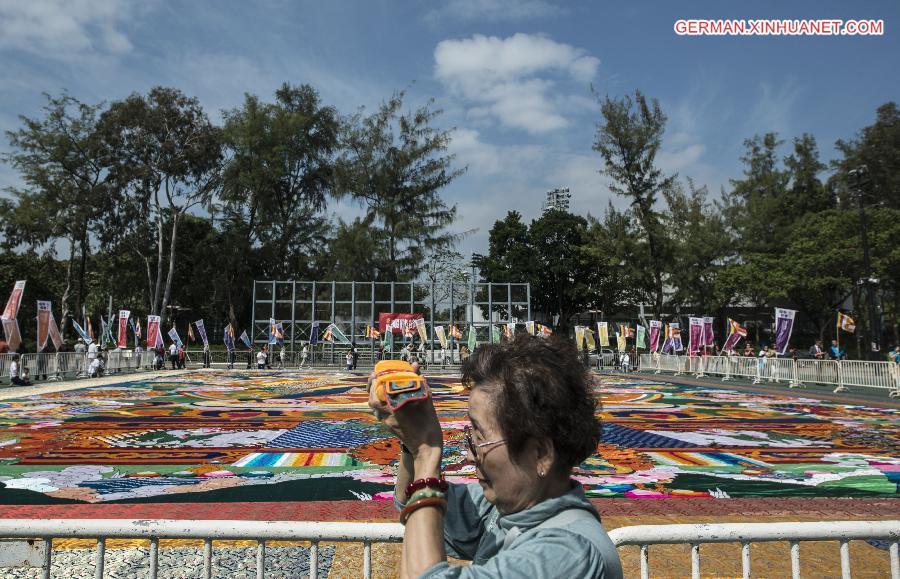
474 531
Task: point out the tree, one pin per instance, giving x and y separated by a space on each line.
166 159
878 148
65 189
354 253
395 165
279 176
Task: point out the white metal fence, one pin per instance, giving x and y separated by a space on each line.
68 365
795 373
368 533
747 533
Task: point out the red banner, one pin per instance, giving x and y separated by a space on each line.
15 298
398 323
152 331
43 324
123 328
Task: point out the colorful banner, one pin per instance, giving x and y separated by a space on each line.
314 334
529 327
173 335
80 331
641 340
579 338
655 327
398 323
228 338
695 336
846 323
735 333
544 331
455 333
473 339
603 333
272 339
104 338
621 341
246 339
334 334
441 336
509 330
784 326
11 311
201 329
495 334
153 336
123 328
43 324
55 336
13 337
279 334
420 327
675 333
589 339
709 338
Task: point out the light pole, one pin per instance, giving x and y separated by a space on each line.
859 177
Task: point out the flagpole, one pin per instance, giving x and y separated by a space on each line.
837 332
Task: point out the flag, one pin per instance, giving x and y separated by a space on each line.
695 336
784 326
579 338
708 337
11 311
655 326
43 324
201 328
640 341
846 323
13 337
509 330
675 333
173 335
80 331
544 330
123 328
372 332
54 333
620 339
455 333
589 339
495 334
473 339
388 342
190 334
408 331
278 333
735 333
228 338
89 328
420 327
314 334
334 334
603 333
153 333
529 327
441 336
246 339
668 343
103 332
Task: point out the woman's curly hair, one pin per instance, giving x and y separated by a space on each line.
540 389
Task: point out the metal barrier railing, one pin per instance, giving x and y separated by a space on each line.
207 531
840 374
643 536
68 365
434 359
747 533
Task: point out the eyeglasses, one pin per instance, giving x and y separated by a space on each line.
473 448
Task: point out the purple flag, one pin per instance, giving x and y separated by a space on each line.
655 326
695 338
784 325
708 337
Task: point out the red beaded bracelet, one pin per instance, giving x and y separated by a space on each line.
427 502
431 482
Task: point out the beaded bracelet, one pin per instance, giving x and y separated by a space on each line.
425 493
427 502
435 483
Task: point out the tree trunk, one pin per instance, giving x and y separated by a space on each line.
83 242
155 309
171 274
65 296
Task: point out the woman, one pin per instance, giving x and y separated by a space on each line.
532 420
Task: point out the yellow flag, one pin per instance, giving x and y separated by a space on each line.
603 333
589 338
621 340
579 337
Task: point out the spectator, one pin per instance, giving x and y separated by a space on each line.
261 360
173 355
15 371
349 359
231 357
249 357
92 350
837 353
355 352
182 356
894 355
304 355
817 351
748 351
626 362
95 368
207 357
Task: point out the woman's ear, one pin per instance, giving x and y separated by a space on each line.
545 456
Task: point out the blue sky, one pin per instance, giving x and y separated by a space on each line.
513 77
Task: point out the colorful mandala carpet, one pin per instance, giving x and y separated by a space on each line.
310 437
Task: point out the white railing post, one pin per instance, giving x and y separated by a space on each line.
840 372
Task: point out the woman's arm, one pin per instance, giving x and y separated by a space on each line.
423 540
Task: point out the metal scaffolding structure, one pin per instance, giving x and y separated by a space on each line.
354 305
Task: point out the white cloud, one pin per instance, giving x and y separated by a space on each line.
773 109
493 10
485 159
65 29
516 79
